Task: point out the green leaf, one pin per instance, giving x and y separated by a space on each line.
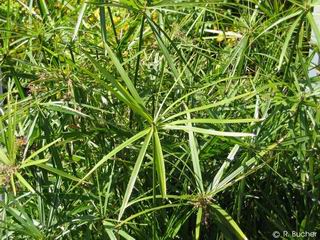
233 152
26 222
159 163
212 105
215 121
36 153
124 75
110 228
134 173
181 99
287 41
131 4
80 17
218 176
146 211
166 53
44 11
123 94
208 131
111 235
4 158
113 152
24 182
102 14
198 223
59 107
58 172
281 20
314 27
228 221
32 163
245 166
195 155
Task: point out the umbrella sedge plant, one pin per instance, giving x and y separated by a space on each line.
158 119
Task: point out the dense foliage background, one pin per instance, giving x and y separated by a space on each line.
158 119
